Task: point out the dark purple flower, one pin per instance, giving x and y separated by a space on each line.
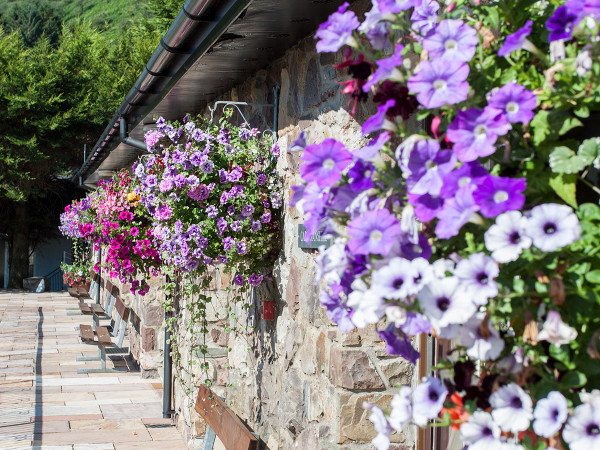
405 103
451 40
241 248
197 158
412 250
224 198
361 175
238 279
224 136
516 41
324 163
376 29
228 243
474 132
428 165
247 210
266 217
245 134
256 225
178 157
337 30
496 195
212 211
564 19
471 172
221 224
373 232
275 151
426 206
456 212
231 210
235 174
397 343
440 82
261 179
207 166
255 279
515 102
199 193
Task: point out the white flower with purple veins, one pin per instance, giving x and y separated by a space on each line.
512 408
507 238
428 400
402 408
480 432
552 226
480 347
444 302
556 331
395 280
550 413
423 273
382 426
332 262
582 431
368 307
451 40
477 274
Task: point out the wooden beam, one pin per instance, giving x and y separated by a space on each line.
234 434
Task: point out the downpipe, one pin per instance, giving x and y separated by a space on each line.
126 139
167 368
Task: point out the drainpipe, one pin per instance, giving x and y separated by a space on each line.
167 369
130 141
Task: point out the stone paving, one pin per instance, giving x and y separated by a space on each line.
46 404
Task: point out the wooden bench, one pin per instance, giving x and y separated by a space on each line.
104 339
81 292
224 423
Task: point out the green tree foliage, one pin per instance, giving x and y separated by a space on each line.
32 19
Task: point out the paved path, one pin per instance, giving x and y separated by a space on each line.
45 404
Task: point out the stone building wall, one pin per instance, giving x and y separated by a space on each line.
297 381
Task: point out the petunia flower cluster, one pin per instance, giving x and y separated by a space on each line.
463 228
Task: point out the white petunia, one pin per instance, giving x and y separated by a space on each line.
552 226
445 303
506 239
477 274
512 408
556 331
480 432
550 414
480 347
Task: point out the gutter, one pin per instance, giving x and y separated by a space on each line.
194 31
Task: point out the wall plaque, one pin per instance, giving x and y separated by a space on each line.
316 240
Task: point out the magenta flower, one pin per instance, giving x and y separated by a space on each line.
515 102
474 132
516 41
337 30
456 212
134 231
324 163
377 121
386 69
428 165
373 232
440 82
496 195
452 40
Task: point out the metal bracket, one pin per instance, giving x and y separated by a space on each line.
237 105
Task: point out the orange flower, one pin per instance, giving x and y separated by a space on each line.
457 413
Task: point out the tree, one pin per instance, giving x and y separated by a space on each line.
33 19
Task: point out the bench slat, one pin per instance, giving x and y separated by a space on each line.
122 310
234 434
73 292
98 309
85 308
87 334
103 336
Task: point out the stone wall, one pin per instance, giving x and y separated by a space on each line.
297 381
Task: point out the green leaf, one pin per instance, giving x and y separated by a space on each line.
564 186
564 160
582 111
568 124
588 150
593 276
589 211
562 354
574 379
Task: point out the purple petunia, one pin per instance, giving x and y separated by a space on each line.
373 232
471 172
255 279
394 6
564 19
337 30
197 158
397 343
424 16
515 102
166 185
241 248
516 41
324 163
456 212
228 243
451 40
386 69
207 166
261 178
256 225
236 225
474 132
426 206
247 210
370 151
440 82
378 121
238 279
212 211
428 165
496 195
